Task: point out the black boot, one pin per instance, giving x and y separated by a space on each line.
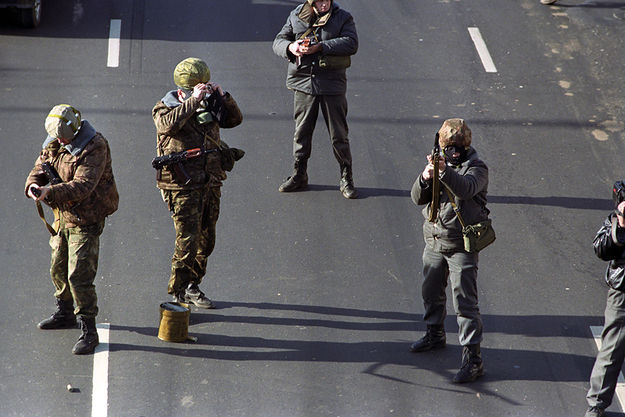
346 185
89 338
472 367
434 339
299 179
63 317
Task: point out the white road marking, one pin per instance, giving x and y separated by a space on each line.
482 50
620 385
99 399
114 42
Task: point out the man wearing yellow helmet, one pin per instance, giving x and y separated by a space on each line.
86 195
187 118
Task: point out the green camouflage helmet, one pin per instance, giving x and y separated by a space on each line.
454 132
63 121
190 72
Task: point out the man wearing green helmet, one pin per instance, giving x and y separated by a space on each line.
83 195
318 39
189 118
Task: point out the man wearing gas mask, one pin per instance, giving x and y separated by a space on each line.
463 177
609 245
189 118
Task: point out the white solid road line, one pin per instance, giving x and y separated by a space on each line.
114 42
482 50
99 399
620 385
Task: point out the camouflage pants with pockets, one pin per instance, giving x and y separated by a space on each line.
74 264
195 214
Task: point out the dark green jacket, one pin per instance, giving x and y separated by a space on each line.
468 183
337 37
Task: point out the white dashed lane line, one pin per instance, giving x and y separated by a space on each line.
482 50
114 42
99 399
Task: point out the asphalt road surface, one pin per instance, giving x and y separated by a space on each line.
319 297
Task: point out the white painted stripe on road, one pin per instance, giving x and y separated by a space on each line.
482 50
99 399
114 42
620 385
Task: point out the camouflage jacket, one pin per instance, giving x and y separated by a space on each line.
337 36
178 129
468 183
88 192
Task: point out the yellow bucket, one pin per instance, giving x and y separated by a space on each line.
174 325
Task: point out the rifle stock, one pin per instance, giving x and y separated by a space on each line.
436 183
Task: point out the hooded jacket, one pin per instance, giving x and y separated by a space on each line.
88 192
178 129
337 36
468 184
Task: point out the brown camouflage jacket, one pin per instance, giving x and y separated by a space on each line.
178 129
88 192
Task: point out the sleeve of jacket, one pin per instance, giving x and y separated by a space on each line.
36 176
89 170
283 39
169 121
609 242
346 43
466 186
233 113
421 192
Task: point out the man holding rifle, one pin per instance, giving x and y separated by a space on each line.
464 178
73 175
188 120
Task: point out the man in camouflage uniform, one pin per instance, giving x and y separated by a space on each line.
316 32
86 195
464 177
183 122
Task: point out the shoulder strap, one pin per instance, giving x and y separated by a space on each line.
452 200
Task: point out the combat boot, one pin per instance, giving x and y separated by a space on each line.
194 296
63 317
472 366
434 338
299 179
89 339
346 185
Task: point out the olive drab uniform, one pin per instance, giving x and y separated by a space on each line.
444 257
84 198
194 205
317 87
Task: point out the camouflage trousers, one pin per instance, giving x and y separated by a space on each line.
73 266
195 214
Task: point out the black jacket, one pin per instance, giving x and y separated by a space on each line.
337 37
609 245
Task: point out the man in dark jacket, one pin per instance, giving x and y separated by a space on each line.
318 39
85 197
609 245
463 177
184 120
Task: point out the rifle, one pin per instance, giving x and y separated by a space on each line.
436 183
175 161
53 178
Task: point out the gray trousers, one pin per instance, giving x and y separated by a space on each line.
460 268
612 353
334 110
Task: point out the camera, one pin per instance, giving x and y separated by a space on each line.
618 193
